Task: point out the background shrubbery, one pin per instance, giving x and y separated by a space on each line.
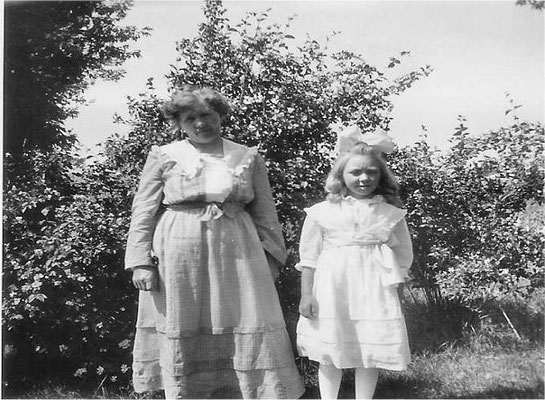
475 211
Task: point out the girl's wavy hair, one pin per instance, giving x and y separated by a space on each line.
187 96
388 187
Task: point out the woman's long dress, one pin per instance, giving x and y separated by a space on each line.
361 250
214 328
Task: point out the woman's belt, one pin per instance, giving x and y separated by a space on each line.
209 211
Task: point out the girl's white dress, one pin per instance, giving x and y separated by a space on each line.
361 250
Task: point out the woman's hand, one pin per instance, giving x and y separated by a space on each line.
145 278
308 306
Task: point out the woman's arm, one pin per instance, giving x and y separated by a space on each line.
148 198
145 205
263 212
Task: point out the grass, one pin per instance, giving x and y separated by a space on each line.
476 371
470 372
458 353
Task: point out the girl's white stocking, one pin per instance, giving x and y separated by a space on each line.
329 379
366 382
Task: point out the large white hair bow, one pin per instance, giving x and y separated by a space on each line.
348 137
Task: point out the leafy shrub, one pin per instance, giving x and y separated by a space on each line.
66 296
476 213
500 176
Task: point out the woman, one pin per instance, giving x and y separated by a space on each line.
209 320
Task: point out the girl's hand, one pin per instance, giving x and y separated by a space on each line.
308 307
145 278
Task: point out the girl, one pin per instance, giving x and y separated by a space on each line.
355 250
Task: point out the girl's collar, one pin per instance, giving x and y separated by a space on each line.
371 200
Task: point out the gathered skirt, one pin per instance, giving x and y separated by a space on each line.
360 323
214 329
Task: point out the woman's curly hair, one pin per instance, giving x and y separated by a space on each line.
387 186
186 97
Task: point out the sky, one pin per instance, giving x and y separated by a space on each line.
479 51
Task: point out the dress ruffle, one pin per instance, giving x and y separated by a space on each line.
375 215
183 159
196 371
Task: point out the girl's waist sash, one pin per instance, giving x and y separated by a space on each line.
350 239
390 271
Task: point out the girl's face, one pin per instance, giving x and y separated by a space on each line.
201 123
361 176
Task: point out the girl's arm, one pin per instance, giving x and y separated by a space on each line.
310 247
308 307
400 242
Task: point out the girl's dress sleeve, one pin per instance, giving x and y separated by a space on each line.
400 242
263 212
310 245
145 205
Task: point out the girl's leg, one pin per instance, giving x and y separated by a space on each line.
366 381
329 379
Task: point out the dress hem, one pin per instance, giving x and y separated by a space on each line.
401 367
212 331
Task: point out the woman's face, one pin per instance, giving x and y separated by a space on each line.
361 176
201 123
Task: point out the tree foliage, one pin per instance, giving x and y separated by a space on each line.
499 176
475 212
53 50
535 4
66 303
